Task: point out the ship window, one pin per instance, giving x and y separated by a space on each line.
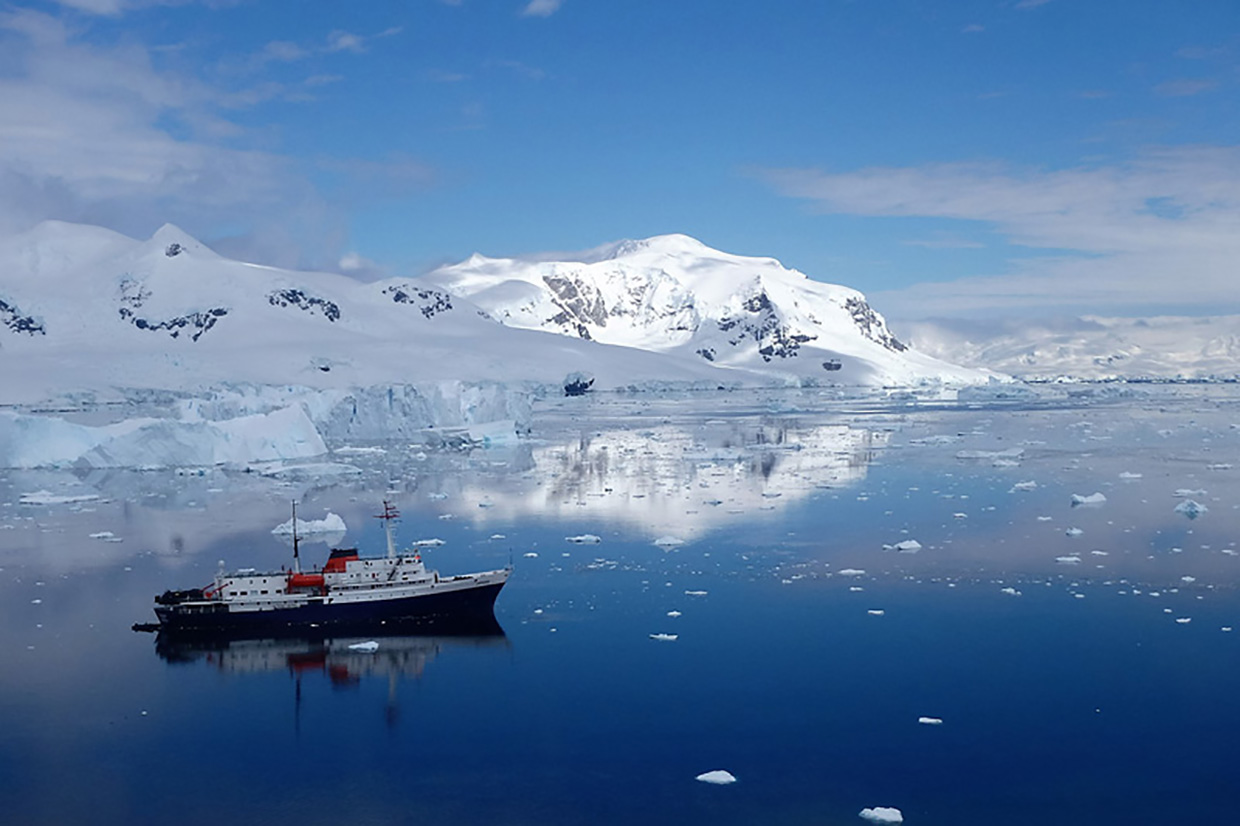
245 593
264 593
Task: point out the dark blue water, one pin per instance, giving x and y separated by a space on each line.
1079 701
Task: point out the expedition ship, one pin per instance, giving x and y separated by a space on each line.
349 592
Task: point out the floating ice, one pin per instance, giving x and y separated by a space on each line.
1183 620
1128 475
1185 493
1068 560
103 535
882 814
46 497
498 536
428 543
852 572
1095 498
855 588
1010 453
668 542
876 612
584 539
370 646
1191 508
930 721
1029 485
1189 579
1074 532
664 637
907 546
719 777
673 613
1009 591
328 524
695 593
531 555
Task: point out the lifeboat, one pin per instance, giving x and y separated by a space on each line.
305 581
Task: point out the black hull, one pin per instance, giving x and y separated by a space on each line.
465 611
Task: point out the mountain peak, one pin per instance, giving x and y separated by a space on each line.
670 244
173 241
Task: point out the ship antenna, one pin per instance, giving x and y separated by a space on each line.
389 515
296 555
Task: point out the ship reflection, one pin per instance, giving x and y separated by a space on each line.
344 661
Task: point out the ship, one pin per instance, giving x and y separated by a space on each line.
349 593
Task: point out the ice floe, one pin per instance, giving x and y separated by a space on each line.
719 777
584 539
852 572
1072 559
673 614
882 814
1073 532
1025 486
46 497
370 646
1010 591
668 542
1183 620
695 593
1010 453
906 546
930 721
876 612
664 637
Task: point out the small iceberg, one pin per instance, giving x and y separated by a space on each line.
584 539
876 612
1094 499
1191 508
695 593
930 721
673 614
668 542
665 637
328 524
907 546
1025 486
852 572
1073 532
370 646
719 777
1068 560
1012 592
882 814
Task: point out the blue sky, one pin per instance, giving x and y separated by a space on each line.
946 158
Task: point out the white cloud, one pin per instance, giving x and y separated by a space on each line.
1158 229
97 134
1185 87
541 8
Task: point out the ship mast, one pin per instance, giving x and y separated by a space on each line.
296 555
389 515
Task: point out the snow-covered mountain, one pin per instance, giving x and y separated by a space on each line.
1090 347
672 294
83 308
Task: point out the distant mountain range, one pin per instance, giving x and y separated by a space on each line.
1090 347
83 307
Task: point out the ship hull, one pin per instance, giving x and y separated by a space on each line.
440 609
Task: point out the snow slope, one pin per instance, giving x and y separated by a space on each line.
1091 347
